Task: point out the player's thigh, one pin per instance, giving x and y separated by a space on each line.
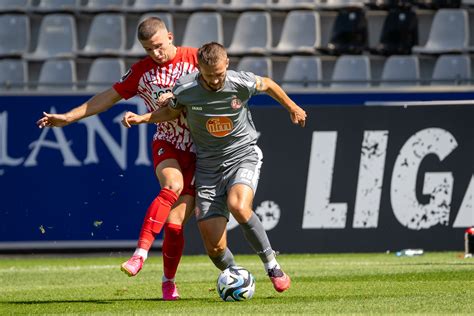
182 210
239 202
167 166
214 234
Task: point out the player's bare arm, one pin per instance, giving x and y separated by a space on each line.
267 85
97 104
158 116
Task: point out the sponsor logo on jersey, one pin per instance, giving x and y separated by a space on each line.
236 103
219 126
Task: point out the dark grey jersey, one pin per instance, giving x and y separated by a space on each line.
220 121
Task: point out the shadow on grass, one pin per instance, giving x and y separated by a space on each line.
267 299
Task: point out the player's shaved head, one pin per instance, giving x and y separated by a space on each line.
211 54
149 27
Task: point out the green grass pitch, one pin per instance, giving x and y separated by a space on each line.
435 283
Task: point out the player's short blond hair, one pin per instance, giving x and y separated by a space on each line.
211 53
148 27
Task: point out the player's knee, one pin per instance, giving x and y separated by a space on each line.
215 251
175 186
240 211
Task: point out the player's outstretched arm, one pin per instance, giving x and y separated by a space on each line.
158 116
97 104
267 85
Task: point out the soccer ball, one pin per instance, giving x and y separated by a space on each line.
235 284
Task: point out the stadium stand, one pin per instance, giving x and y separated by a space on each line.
389 35
106 35
151 5
252 34
449 33
104 72
49 6
104 5
261 66
349 33
351 71
13 74
301 33
57 73
57 37
14 34
246 5
294 4
399 33
15 5
209 21
451 69
302 72
401 71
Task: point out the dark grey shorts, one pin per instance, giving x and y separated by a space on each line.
212 187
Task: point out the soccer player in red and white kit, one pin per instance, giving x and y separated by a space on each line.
173 151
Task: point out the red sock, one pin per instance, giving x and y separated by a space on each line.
173 245
155 217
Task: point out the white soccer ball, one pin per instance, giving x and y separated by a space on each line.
235 284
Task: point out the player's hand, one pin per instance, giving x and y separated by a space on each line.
130 119
164 99
52 120
298 116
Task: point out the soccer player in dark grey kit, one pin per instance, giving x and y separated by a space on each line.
228 159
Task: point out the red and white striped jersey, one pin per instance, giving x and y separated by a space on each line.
149 80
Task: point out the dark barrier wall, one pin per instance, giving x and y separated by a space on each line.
355 179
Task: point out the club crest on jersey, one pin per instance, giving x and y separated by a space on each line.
161 151
220 126
236 103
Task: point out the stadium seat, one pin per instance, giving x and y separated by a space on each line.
106 35
349 33
152 5
198 5
449 33
300 34
203 27
438 4
104 5
252 35
389 4
399 33
104 72
137 48
13 74
261 66
246 5
15 5
57 5
451 69
351 71
401 71
302 72
340 4
57 74
294 4
14 34
57 37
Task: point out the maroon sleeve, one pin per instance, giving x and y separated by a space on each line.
127 87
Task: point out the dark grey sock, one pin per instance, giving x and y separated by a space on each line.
258 239
225 260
